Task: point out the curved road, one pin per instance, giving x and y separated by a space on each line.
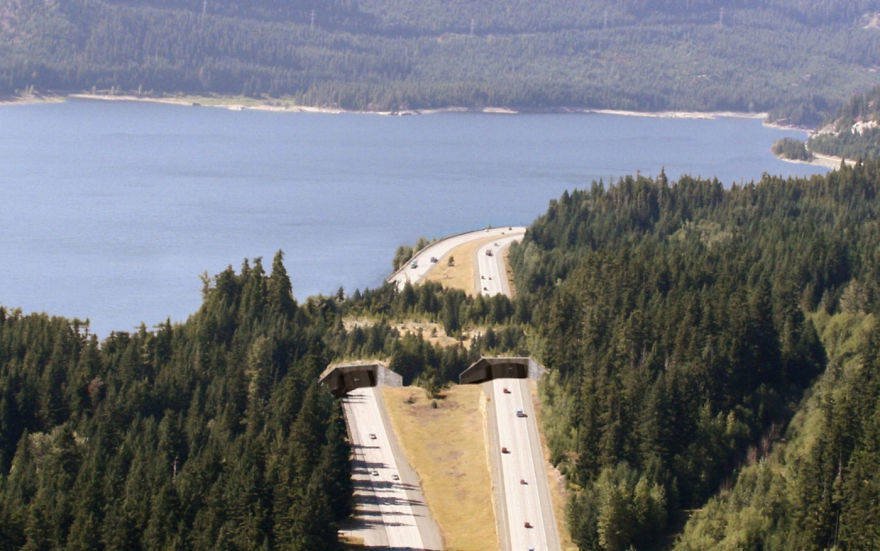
422 259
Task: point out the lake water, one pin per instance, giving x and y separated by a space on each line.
111 211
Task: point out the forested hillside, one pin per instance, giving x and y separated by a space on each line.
210 434
855 132
819 488
797 59
679 322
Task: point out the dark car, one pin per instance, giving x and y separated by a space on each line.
527 524
504 449
506 390
521 413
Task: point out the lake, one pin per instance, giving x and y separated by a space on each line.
112 210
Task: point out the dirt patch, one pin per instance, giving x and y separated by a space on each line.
445 447
463 273
432 332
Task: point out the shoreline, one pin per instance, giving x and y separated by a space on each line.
281 105
819 159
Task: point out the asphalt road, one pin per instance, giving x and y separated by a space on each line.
526 493
491 270
390 513
438 249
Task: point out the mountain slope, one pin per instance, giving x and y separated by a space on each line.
855 133
795 58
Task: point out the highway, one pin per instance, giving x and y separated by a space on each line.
491 269
390 509
524 488
438 249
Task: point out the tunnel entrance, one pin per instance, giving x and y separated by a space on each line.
489 368
342 378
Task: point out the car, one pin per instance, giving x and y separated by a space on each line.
482 277
488 252
521 413
523 482
496 243
505 390
375 472
504 449
527 524
414 265
433 260
485 288
395 476
372 436
490 278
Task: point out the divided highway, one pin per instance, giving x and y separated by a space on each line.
527 513
491 268
422 260
388 500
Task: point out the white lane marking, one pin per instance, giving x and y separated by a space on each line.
396 513
523 500
491 268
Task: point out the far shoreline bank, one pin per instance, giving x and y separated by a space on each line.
819 159
282 105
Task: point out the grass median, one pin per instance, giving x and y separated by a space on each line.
445 445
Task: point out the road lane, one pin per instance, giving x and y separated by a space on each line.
392 511
438 249
529 502
491 269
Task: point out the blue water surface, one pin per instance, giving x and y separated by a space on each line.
112 210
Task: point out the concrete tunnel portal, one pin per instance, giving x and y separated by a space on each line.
489 368
342 378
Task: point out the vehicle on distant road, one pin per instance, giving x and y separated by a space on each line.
523 481
485 288
504 449
395 476
375 472
527 524
521 413
414 265
372 436
505 390
433 260
488 252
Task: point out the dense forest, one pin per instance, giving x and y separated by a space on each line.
714 382
683 325
211 434
797 59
